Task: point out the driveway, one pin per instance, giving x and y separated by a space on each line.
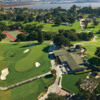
53 88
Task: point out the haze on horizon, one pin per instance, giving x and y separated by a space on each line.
48 0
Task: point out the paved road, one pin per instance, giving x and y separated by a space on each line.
53 88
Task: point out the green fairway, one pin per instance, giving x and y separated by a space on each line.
36 54
22 65
54 28
91 48
50 27
69 82
29 91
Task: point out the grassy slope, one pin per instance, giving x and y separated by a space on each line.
69 82
8 60
28 91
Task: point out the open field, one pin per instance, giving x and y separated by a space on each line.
22 65
29 91
69 82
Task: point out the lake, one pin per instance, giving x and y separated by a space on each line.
65 6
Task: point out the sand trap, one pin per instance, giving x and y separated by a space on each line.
4 73
27 50
37 64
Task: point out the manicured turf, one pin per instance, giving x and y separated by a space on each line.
22 66
91 48
29 91
50 27
69 82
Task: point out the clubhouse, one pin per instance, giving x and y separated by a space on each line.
70 59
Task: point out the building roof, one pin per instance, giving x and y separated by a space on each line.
72 59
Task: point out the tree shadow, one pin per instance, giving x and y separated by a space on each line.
95 61
30 45
46 49
12 55
55 25
48 76
91 27
51 56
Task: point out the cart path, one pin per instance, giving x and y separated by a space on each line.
24 82
54 87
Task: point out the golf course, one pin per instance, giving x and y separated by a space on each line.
21 65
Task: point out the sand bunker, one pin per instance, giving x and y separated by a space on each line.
27 50
37 64
4 73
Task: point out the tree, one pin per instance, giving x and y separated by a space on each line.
0 38
21 37
53 96
97 53
85 23
95 22
58 21
2 26
90 35
32 36
2 8
78 46
98 32
53 71
39 18
40 37
3 36
61 40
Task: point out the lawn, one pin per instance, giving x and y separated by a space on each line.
69 82
29 91
22 66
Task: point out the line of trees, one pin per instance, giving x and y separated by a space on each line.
63 37
2 28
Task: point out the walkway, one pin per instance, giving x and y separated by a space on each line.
24 82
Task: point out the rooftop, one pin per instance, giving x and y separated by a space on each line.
73 59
